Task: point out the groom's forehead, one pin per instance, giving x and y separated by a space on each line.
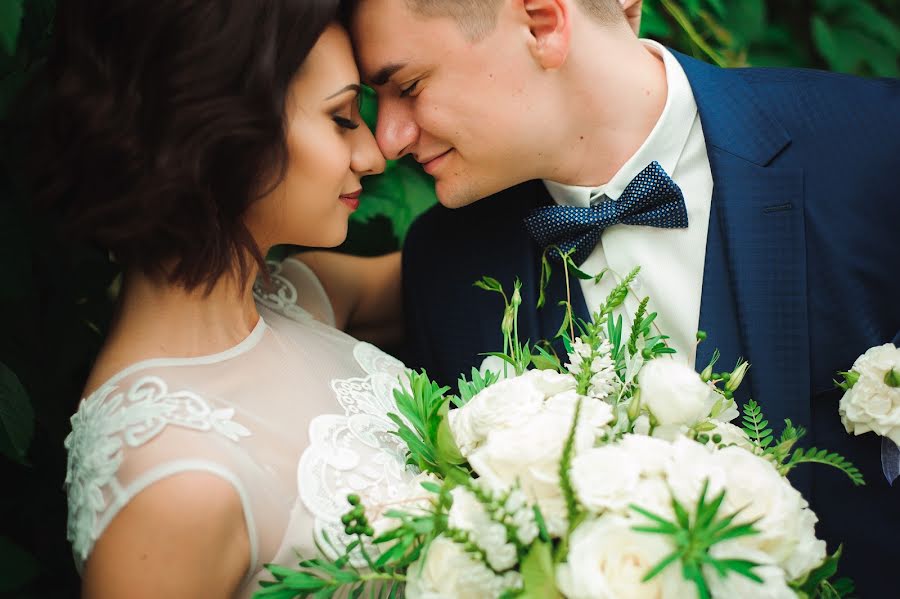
387 40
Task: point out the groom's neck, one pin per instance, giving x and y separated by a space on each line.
614 91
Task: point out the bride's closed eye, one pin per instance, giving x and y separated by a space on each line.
344 122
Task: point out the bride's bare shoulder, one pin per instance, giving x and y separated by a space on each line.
183 536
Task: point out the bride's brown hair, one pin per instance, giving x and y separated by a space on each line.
165 122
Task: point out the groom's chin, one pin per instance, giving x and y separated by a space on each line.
457 194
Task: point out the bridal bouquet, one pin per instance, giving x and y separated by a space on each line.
612 473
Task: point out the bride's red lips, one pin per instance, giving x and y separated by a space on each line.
351 199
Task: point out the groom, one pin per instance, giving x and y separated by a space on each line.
779 231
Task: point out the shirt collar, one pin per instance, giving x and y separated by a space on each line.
665 143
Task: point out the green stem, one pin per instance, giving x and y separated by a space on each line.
569 302
688 28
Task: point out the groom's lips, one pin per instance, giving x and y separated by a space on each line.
431 165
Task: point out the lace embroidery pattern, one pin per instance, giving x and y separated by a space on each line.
356 452
281 296
109 420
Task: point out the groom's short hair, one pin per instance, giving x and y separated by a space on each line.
477 18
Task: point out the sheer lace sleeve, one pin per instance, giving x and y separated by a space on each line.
139 430
295 289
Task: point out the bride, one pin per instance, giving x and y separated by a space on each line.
226 418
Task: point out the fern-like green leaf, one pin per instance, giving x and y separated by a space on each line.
565 464
823 456
755 426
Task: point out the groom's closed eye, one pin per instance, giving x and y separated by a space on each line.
404 92
385 73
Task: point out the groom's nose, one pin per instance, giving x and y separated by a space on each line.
396 131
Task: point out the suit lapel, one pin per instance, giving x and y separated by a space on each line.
761 218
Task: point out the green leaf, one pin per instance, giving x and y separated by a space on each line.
653 25
468 390
447 449
10 24
822 456
746 21
489 284
538 575
544 360
400 194
546 273
577 272
16 417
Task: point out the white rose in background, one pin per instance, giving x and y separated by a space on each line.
607 560
503 405
873 401
674 393
451 573
786 524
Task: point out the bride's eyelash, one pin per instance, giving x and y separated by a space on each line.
408 90
345 123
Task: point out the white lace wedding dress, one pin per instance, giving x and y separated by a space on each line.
293 417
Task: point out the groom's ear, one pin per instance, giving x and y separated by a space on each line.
632 10
551 28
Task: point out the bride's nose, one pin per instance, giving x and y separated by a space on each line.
366 158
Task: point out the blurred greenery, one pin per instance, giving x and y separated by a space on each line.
57 300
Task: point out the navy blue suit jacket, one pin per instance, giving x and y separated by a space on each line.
802 272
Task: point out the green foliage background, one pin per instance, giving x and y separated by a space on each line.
56 302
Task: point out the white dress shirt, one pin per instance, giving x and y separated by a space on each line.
671 260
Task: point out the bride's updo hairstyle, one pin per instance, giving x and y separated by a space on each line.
166 121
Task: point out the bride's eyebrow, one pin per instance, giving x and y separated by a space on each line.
353 87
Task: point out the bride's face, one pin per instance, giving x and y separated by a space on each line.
329 150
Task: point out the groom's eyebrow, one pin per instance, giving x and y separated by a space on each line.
386 72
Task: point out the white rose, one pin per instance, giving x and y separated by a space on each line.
529 454
733 585
653 454
607 560
674 393
786 524
878 360
605 478
871 404
450 573
691 466
505 404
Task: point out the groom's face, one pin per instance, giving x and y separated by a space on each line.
463 109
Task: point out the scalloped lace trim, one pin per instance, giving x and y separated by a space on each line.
107 422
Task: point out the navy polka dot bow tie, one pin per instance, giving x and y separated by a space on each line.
651 199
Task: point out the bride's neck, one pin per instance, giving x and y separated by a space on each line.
158 319
188 322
